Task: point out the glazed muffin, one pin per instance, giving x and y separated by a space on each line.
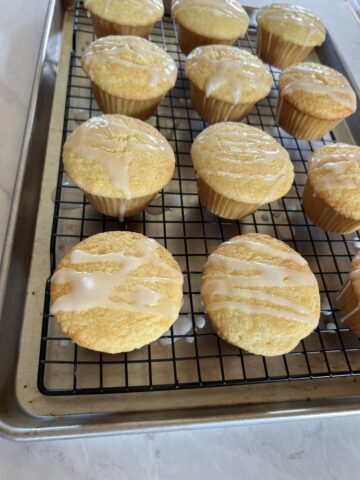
287 34
225 82
349 297
129 75
208 22
260 294
124 17
119 162
116 291
331 194
239 168
312 100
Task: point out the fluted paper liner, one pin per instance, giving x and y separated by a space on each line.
221 206
348 303
107 103
189 40
104 27
119 207
278 52
299 124
324 215
213 110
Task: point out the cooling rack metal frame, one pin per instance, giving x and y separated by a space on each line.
53 388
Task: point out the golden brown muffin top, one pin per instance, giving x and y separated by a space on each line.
292 23
334 174
228 73
116 291
242 163
129 67
254 278
221 19
119 157
127 12
317 90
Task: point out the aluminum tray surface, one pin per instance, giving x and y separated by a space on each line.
163 383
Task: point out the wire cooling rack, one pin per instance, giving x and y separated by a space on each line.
190 355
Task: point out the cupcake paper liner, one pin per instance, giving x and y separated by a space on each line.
107 103
189 40
348 303
278 52
104 27
222 206
213 110
324 215
119 207
299 124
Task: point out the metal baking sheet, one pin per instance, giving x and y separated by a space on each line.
162 385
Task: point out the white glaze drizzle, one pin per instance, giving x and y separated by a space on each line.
219 287
200 322
257 246
341 94
94 290
333 168
245 146
134 52
182 326
295 16
243 143
245 275
97 289
235 73
262 274
230 8
313 83
122 210
109 142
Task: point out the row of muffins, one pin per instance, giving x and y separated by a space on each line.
130 75
258 293
121 163
118 291
286 33
279 281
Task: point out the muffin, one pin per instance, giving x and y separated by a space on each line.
287 34
116 291
119 162
331 194
129 75
225 82
239 168
260 294
312 100
124 17
349 297
208 22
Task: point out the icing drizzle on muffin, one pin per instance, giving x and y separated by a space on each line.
102 289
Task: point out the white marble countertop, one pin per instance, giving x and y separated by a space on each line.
315 449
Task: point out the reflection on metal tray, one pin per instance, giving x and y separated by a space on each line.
164 381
